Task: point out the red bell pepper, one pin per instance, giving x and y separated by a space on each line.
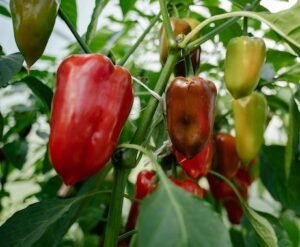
198 166
226 159
190 186
91 103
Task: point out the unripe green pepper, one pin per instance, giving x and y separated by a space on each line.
250 115
33 22
245 57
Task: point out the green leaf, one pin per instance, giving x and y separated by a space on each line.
292 152
126 6
291 224
172 217
263 229
16 152
4 11
286 24
25 227
252 239
92 27
48 221
9 66
41 90
69 7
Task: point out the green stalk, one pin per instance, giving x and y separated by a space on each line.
167 25
147 116
139 41
80 41
245 26
195 44
115 209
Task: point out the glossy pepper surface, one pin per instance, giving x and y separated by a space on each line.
145 184
91 103
226 159
250 115
190 113
244 60
33 22
199 165
190 186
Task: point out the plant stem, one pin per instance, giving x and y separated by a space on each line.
140 39
167 25
147 117
245 26
115 209
80 41
127 234
191 46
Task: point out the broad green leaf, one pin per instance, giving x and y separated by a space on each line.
252 239
292 151
69 7
4 11
272 170
41 90
16 152
285 23
173 217
46 222
9 66
92 27
291 224
265 232
126 6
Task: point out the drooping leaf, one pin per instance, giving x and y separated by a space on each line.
9 66
126 6
69 8
92 27
46 222
41 90
285 23
172 217
4 11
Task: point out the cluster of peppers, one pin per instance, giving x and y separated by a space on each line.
93 99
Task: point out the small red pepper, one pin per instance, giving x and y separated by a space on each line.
91 103
190 113
190 186
200 165
145 184
226 159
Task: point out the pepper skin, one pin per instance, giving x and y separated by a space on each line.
91 103
226 159
244 60
178 27
250 116
190 186
145 184
190 113
33 22
200 165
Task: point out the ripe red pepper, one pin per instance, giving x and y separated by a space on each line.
190 186
200 165
91 103
190 113
226 160
145 184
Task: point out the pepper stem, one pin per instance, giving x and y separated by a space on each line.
245 26
115 210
